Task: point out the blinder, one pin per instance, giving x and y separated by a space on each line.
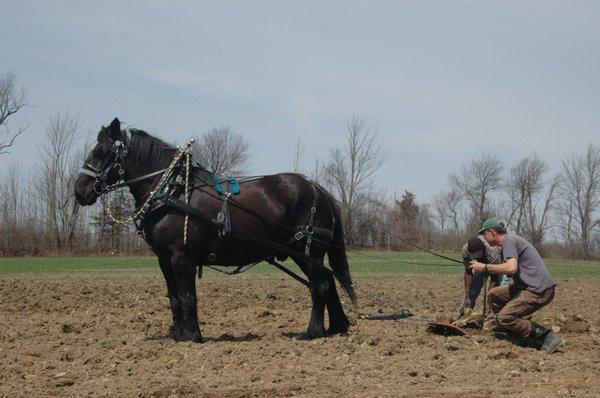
101 174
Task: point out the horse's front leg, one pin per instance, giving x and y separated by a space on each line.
185 276
175 303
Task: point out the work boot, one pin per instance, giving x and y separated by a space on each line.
550 341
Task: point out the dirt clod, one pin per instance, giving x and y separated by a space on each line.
66 328
513 373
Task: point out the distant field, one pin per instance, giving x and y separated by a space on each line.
364 263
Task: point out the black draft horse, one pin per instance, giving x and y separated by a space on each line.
283 202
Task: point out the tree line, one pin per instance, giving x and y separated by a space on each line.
557 210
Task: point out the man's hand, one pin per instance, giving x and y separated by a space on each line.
477 267
466 306
510 267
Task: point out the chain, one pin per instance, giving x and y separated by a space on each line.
163 180
187 198
141 211
378 298
109 214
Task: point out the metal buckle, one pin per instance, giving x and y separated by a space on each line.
100 184
220 217
212 257
299 235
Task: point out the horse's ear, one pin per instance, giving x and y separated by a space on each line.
114 130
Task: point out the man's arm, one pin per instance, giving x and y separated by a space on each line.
510 267
468 283
468 279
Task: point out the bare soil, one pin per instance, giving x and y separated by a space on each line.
91 335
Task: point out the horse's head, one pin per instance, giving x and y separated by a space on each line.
103 165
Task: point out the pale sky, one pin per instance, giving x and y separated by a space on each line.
440 80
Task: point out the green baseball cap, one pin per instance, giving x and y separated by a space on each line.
492 223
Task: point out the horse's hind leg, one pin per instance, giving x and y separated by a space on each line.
319 286
185 275
175 303
338 321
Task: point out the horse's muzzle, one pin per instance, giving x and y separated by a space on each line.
85 193
86 200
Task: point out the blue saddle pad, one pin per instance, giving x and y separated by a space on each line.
222 188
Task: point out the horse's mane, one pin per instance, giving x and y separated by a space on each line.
150 150
153 151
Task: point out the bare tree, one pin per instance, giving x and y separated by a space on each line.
299 149
222 151
532 197
10 195
580 198
351 167
447 206
439 207
12 99
57 175
374 222
20 216
525 180
317 174
476 180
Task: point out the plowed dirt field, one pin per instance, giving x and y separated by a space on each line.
104 333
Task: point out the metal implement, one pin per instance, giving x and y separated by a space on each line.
444 329
389 317
485 291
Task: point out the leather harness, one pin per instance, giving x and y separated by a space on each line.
168 197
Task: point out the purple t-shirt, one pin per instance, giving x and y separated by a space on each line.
532 273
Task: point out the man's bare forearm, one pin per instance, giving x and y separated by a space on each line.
468 282
510 267
501 269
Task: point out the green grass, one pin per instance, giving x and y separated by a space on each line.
364 263
61 264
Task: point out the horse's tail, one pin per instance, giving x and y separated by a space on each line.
338 261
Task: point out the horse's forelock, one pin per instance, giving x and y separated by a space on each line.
103 133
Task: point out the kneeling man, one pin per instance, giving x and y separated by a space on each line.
477 249
533 287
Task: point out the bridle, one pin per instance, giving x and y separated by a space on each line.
100 174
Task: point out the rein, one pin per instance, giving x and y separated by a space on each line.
118 185
160 194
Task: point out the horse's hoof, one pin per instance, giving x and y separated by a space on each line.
337 330
183 335
197 338
311 335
